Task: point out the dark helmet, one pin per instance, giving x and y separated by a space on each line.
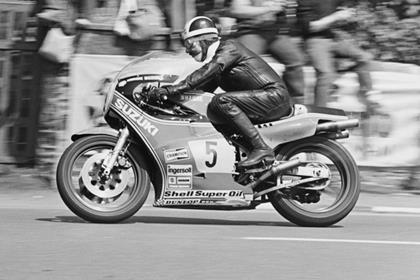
199 26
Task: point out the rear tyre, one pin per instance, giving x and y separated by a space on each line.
336 200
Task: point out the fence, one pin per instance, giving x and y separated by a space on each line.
19 83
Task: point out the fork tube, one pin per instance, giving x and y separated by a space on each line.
110 160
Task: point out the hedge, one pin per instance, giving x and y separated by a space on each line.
381 29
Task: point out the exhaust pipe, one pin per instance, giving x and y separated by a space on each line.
275 170
338 135
337 126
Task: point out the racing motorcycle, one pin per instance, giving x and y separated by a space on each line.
106 173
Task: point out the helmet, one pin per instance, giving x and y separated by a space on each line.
199 26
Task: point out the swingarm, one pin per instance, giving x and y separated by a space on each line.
313 173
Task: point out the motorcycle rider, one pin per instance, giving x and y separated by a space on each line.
254 92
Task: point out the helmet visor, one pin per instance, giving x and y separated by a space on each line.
187 43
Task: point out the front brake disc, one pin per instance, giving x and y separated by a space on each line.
112 187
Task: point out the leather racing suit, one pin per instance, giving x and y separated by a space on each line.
255 93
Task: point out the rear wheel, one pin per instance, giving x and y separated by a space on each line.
92 198
332 199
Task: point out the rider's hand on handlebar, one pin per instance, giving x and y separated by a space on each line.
158 94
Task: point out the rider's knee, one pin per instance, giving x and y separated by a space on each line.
218 102
214 109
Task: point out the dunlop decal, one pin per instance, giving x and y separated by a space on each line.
181 202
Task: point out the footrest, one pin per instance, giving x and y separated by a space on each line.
262 166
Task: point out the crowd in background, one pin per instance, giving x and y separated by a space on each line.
389 29
382 30
386 30
374 30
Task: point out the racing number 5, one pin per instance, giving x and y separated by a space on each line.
211 151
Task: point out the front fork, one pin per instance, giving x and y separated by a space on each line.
110 160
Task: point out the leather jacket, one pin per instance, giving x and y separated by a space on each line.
233 68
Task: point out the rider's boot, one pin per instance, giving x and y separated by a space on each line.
259 149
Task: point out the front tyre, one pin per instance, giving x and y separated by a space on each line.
336 198
81 189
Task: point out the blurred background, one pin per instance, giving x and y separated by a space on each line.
43 101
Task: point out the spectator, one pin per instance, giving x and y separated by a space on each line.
85 9
202 7
319 21
57 13
209 7
263 28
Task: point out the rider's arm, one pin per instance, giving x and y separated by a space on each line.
225 56
210 86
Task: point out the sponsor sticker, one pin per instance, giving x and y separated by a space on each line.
204 194
179 175
172 202
205 197
176 154
181 202
135 116
183 180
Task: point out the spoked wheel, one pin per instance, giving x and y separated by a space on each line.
323 202
92 197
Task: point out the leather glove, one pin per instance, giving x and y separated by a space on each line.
158 94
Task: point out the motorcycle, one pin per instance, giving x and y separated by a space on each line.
106 173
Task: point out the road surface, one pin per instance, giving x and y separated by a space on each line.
41 239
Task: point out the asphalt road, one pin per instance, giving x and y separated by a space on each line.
41 239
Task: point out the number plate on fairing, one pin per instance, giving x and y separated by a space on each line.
213 155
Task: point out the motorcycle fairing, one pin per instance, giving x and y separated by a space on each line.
192 156
295 127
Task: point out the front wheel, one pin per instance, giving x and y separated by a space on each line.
92 198
335 198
